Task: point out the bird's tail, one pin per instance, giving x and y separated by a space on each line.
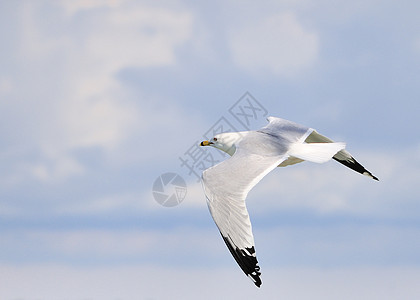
315 152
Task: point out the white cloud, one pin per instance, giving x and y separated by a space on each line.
70 85
64 165
278 44
139 36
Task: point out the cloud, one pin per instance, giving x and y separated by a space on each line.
278 44
72 99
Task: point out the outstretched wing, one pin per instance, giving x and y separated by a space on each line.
343 156
226 186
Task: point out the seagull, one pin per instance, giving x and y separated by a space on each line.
253 155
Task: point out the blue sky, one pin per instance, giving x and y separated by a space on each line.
99 98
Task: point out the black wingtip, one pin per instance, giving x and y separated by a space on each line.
258 282
246 259
356 166
255 277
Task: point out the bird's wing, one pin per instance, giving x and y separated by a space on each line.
291 137
286 130
226 186
343 156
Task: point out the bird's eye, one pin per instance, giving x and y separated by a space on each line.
214 139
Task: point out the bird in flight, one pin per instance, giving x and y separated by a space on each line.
253 155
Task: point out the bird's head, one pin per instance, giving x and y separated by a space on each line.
224 141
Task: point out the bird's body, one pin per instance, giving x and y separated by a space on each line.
255 154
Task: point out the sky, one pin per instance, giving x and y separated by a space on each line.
99 98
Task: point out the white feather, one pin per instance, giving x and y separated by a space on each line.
315 152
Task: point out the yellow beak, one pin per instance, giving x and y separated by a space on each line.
204 143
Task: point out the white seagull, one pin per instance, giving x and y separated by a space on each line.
253 155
